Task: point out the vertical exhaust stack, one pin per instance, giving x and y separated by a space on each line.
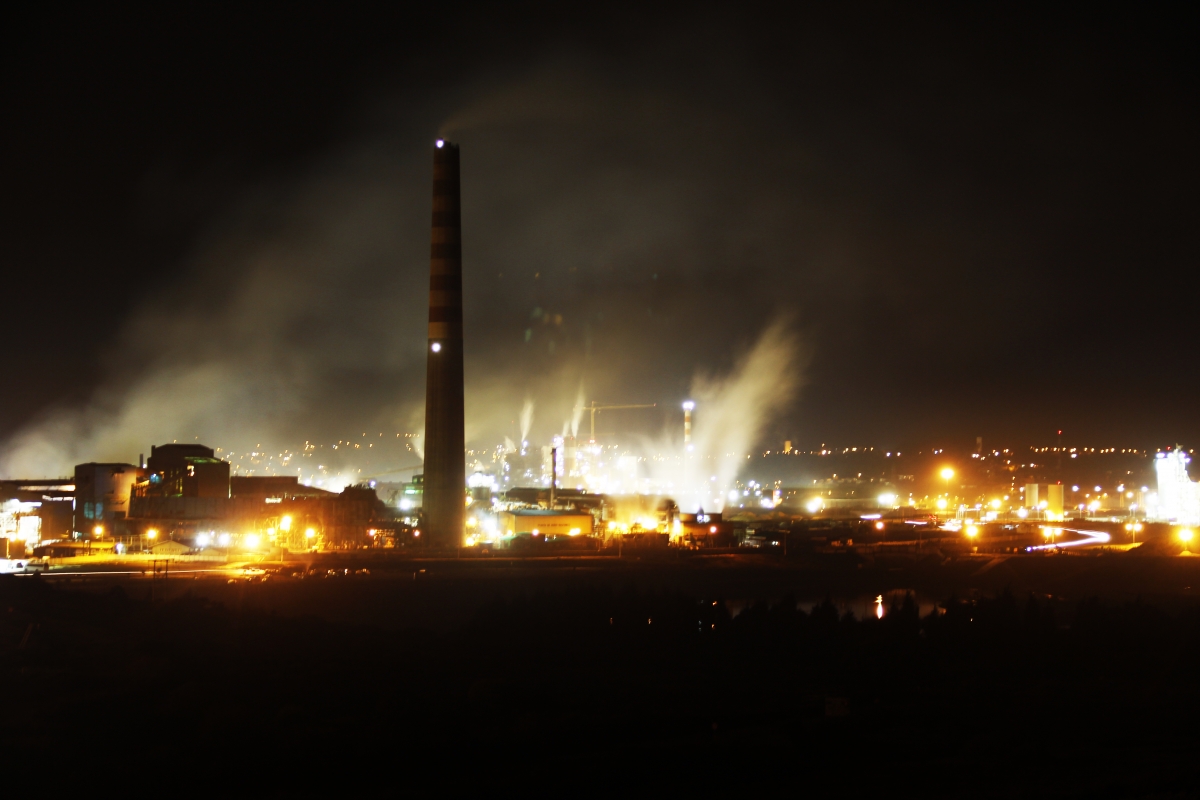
445 460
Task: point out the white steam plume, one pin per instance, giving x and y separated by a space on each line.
577 413
526 418
730 417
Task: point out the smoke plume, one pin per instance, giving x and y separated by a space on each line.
526 418
577 412
731 415
296 326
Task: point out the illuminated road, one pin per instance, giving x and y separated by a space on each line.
1090 538
233 571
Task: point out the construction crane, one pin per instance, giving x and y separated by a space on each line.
593 408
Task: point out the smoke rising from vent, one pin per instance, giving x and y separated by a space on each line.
732 413
577 412
526 418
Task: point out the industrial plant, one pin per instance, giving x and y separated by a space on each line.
698 487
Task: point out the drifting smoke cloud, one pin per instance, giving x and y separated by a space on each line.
733 412
301 317
291 297
731 415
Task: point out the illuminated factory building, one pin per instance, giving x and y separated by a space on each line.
1178 495
102 493
185 470
184 501
545 522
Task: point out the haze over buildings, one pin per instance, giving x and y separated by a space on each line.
963 243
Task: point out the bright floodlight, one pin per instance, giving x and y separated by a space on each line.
440 143
436 347
947 474
1186 535
689 405
813 505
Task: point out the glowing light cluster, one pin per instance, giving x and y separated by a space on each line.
1178 496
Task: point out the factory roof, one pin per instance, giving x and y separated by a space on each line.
546 512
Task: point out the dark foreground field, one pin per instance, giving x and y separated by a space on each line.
1039 677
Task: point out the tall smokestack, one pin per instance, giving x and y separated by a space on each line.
445 460
687 424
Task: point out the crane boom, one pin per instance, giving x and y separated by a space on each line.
593 408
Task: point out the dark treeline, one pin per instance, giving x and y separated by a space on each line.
988 697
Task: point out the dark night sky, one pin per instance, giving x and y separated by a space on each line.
975 221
